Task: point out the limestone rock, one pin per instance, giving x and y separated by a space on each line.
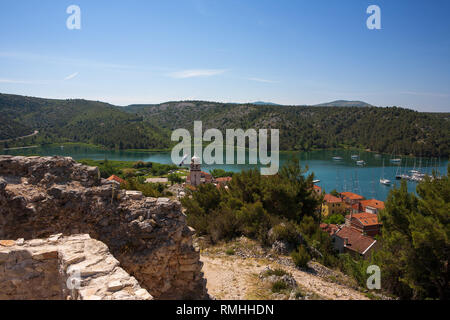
41 197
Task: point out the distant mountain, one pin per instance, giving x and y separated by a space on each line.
344 103
262 103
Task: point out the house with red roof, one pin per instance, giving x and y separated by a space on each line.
117 179
365 223
349 240
351 198
352 201
332 205
224 180
371 206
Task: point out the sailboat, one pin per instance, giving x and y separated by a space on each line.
395 160
384 181
400 175
355 157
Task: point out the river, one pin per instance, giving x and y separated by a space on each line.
342 175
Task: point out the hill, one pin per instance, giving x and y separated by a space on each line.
386 130
344 103
149 126
76 121
262 103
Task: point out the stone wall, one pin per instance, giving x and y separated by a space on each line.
73 268
44 196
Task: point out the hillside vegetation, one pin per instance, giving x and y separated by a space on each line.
388 130
76 121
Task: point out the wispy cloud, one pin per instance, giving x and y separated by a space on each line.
429 94
73 75
64 60
13 81
262 80
196 73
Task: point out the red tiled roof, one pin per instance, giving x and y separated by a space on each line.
224 179
366 219
317 187
356 241
205 174
117 179
373 203
329 228
331 199
352 196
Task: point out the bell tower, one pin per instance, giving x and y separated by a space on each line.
195 172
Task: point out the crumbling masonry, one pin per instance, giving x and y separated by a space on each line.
41 197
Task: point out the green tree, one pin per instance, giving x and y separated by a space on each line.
415 240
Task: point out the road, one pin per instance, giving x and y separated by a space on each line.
19 138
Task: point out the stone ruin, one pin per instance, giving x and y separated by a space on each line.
74 268
52 208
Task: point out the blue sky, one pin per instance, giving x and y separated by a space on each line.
288 52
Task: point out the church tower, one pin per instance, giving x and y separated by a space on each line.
195 173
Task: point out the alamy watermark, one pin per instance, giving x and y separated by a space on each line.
374 281
213 153
74 20
374 20
73 282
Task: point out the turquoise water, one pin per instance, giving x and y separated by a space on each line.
342 175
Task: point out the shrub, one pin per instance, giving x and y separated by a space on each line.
286 232
174 178
335 219
275 272
299 293
139 164
279 286
230 252
301 257
128 173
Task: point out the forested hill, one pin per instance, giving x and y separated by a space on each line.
149 126
76 121
388 130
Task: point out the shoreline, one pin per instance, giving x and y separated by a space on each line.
76 144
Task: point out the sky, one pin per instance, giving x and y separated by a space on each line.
287 52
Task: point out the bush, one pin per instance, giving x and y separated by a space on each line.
299 293
301 257
174 178
220 173
275 272
286 232
230 252
139 165
279 286
335 219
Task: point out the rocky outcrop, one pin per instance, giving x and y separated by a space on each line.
149 237
72 268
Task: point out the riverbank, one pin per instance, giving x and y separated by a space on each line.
286 152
